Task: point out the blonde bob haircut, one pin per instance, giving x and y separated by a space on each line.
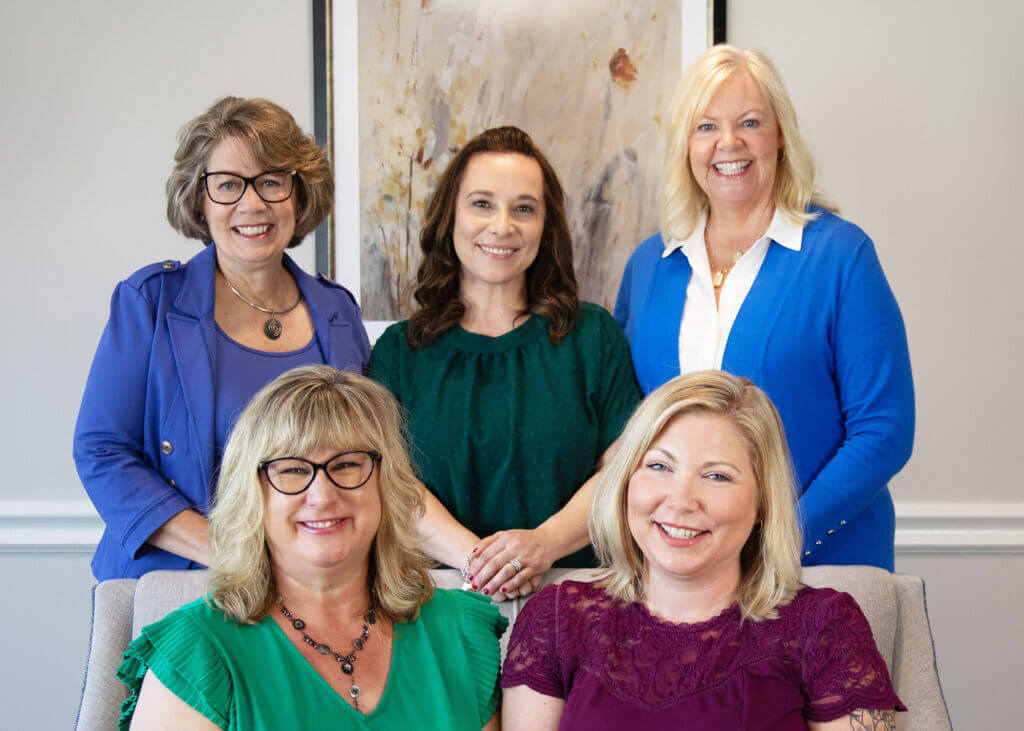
683 200
770 559
299 413
276 142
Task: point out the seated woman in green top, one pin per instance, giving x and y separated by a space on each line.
321 613
513 388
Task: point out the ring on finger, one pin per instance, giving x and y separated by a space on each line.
516 564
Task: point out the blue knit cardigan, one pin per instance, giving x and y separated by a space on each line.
820 332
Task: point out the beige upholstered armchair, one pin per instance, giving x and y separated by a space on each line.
894 605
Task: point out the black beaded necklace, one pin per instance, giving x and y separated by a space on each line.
347 662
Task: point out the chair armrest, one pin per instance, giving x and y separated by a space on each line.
102 692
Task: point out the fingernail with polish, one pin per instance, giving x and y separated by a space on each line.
487 591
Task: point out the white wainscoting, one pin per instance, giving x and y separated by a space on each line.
72 526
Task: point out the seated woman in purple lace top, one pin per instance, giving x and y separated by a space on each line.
701 621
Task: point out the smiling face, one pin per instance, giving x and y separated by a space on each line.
734 146
323 528
499 219
692 503
250 232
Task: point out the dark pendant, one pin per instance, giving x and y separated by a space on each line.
323 649
357 643
354 691
347 668
272 328
298 624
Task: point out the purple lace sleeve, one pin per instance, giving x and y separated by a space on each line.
532 659
842 668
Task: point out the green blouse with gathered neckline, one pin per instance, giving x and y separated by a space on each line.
505 429
251 677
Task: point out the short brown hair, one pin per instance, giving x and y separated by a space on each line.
550 280
276 142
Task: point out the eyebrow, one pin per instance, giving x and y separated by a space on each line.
752 111
704 466
491 193
721 463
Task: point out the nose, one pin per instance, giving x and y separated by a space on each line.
728 137
251 200
321 491
685 495
501 223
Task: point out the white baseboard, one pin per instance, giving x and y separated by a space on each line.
72 526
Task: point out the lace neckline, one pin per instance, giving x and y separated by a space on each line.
726 616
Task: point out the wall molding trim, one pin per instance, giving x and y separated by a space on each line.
72 526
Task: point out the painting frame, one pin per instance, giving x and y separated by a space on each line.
336 46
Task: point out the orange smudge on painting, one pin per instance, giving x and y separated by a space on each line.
425 4
419 154
594 64
622 69
426 165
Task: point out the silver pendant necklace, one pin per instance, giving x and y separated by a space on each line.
347 662
272 328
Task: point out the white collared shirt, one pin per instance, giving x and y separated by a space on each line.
704 330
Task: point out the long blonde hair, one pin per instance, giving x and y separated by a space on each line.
683 200
770 559
303 411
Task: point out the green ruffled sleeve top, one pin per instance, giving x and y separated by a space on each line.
443 675
504 430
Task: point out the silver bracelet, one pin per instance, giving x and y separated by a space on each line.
465 567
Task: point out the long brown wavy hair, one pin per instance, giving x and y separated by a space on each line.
550 280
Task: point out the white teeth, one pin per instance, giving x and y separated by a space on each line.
253 230
731 168
496 250
320 523
680 532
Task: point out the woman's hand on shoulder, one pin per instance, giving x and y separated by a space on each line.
158 709
863 719
492 573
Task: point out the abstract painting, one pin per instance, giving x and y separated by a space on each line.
589 81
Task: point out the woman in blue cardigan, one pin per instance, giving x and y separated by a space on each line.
187 345
754 274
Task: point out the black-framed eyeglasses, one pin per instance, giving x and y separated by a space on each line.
292 475
273 186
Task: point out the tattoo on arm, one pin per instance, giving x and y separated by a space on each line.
864 719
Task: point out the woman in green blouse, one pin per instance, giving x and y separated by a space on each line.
321 612
513 388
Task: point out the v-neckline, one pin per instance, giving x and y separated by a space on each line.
392 668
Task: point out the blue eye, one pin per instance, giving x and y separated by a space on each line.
718 477
656 466
751 123
705 127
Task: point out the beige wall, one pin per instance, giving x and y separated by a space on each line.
93 97
913 109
